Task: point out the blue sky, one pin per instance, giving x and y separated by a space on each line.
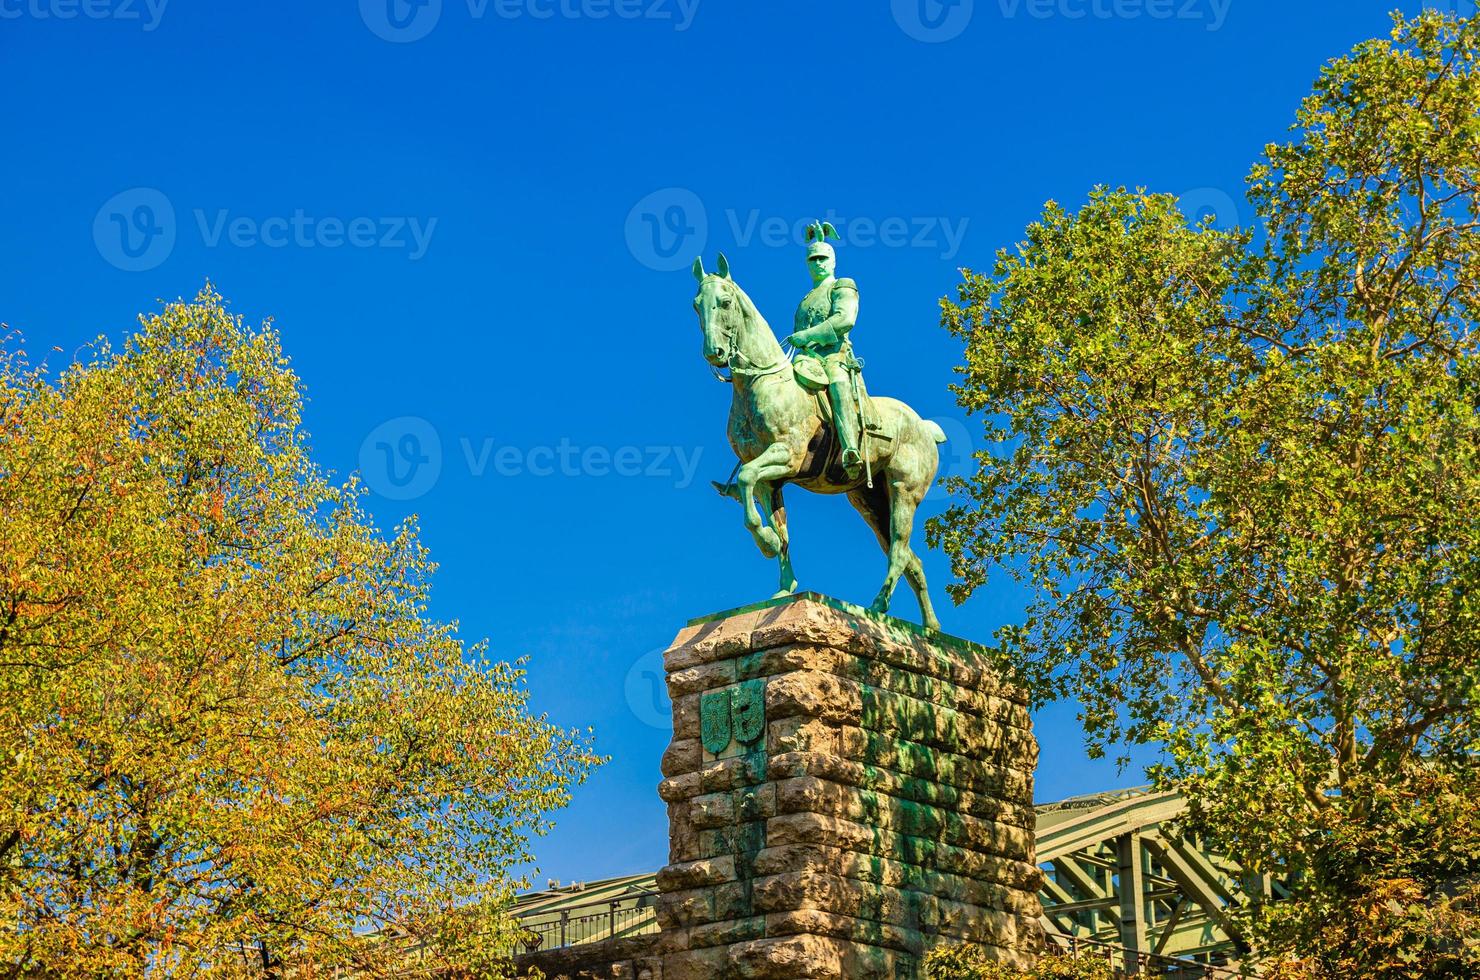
472 221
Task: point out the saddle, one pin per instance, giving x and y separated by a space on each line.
827 456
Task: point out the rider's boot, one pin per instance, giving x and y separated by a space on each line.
845 424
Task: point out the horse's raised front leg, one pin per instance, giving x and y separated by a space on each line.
772 464
773 508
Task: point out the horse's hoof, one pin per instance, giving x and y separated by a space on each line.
724 489
931 623
880 606
768 541
783 593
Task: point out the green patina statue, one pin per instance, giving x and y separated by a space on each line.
809 420
820 335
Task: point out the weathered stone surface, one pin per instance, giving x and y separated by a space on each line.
1004 776
802 734
679 787
788 658
734 773
682 756
1014 894
815 829
727 933
695 874
698 964
883 812
712 810
875 673
856 930
814 694
788 957
706 642
790 764
686 716
885 802
704 677
699 906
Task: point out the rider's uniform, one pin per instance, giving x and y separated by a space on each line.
833 303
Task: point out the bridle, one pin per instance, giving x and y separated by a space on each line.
754 371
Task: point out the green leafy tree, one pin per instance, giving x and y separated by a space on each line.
1241 472
230 737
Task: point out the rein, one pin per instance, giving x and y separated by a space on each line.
754 372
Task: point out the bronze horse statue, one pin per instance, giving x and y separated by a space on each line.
781 433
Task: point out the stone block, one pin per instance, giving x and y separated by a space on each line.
683 755
696 874
789 958
704 677
814 694
787 659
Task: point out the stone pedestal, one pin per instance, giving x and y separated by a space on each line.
844 791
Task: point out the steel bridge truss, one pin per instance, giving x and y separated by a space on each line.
1115 873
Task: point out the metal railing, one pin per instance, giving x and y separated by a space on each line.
1130 963
587 924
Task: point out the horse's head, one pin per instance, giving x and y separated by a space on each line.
721 308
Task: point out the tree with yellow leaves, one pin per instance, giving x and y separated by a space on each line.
231 739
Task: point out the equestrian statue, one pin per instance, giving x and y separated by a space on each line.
807 418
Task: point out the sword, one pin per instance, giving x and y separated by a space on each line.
868 467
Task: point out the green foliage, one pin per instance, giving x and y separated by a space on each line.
965 962
229 734
1241 471
1396 895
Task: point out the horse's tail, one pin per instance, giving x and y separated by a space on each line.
935 431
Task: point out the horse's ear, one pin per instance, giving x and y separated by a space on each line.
699 268
724 266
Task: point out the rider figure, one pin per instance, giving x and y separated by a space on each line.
820 330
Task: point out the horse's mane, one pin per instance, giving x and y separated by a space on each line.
751 310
